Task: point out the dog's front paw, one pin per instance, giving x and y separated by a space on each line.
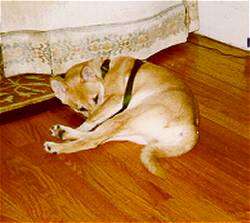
50 147
57 131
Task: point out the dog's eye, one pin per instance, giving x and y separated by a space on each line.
62 75
82 109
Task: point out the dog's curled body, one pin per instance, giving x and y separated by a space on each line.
161 115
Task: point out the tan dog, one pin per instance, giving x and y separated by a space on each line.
161 114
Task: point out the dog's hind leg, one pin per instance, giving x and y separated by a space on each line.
72 146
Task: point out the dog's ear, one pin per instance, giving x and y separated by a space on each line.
58 86
88 74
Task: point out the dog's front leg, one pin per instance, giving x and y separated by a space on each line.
104 111
88 140
112 105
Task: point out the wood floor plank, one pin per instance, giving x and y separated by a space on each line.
210 183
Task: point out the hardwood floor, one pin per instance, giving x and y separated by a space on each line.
210 183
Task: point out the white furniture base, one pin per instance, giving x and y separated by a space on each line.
139 34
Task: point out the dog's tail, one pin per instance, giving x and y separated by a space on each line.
150 161
150 152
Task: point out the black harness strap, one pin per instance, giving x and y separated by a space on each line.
128 91
105 67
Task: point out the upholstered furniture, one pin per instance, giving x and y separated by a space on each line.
49 37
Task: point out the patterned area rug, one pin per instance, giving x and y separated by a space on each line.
22 90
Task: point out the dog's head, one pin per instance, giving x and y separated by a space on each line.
82 86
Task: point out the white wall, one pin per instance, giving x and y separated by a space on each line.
226 21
